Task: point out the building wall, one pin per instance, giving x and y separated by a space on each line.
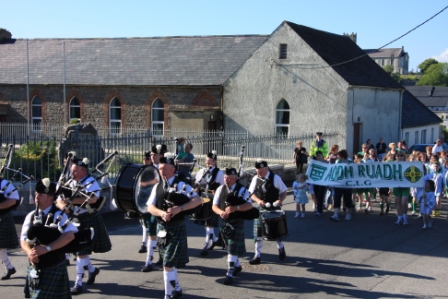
421 135
314 95
378 112
94 101
319 99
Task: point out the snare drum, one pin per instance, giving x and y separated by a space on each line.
134 185
273 225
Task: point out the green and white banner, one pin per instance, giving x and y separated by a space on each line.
366 175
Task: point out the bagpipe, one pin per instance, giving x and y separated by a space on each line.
234 200
171 199
41 232
67 193
19 172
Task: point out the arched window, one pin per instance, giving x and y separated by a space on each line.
115 116
75 109
36 114
157 118
282 118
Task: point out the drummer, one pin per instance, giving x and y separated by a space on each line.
148 222
8 234
209 178
268 192
101 243
172 236
234 240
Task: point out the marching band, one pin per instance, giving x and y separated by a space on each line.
67 219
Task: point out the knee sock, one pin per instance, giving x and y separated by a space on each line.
88 265
177 284
145 232
279 245
258 246
80 262
382 207
168 276
151 245
237 263
231 261
5 260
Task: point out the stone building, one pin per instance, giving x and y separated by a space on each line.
296 80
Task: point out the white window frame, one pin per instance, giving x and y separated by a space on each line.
157 123
282 110
74 106
36 121
114 121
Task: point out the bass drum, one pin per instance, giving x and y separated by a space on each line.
134 185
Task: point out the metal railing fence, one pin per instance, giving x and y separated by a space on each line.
41 156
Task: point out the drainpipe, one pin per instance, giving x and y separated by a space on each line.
400 114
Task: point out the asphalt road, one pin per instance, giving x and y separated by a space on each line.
368 257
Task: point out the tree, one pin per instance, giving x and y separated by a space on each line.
388 69
435 75
426 64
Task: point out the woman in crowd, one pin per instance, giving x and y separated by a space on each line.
401 195
299 156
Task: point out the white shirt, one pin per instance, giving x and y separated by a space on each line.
278 183
200 180
28 221
437 149
93 187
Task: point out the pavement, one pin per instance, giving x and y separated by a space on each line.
367 257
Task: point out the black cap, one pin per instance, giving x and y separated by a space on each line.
147 155
159 149
168 159
45 186
319 133
231 171
213 155
80 162
261 164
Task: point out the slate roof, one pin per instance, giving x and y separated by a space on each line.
415 113
385 53
439 97
336 49
159 61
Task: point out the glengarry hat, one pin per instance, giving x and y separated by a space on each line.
260 163
45 186
213 155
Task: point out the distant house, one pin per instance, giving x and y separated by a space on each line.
420 124
434 98
396 57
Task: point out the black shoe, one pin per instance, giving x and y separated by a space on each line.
92 276
228 280
8 273
255 261
204 252
147 268
281 254
217 243
143 248
76 290
176 294
237 270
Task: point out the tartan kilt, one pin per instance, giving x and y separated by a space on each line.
149 221
8 233
236 245
53 283
101 241
175 253
257 224
211 222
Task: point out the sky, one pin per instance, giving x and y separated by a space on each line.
376 23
